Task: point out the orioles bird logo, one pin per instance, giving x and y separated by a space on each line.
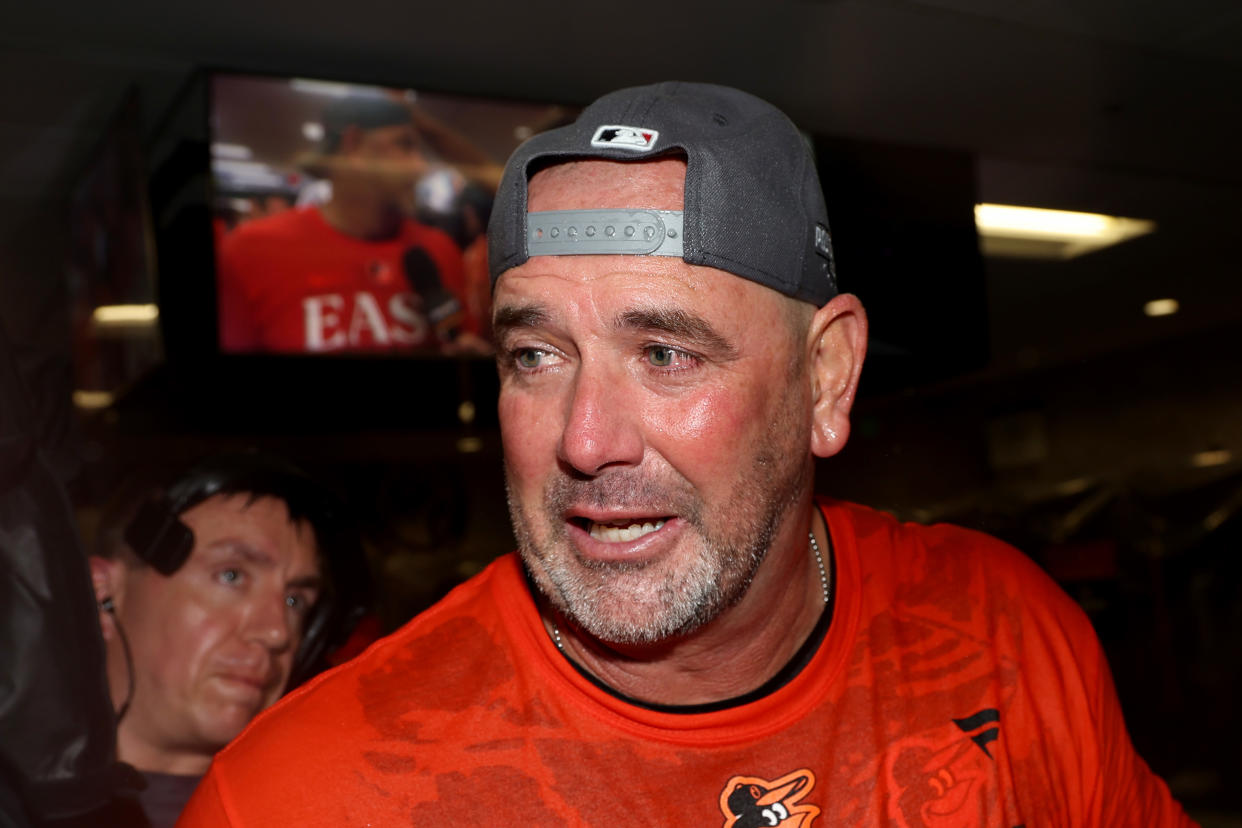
750 802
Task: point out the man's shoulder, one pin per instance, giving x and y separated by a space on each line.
456 650
876 532
960 597
915 562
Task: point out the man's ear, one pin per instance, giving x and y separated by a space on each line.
837 344
107 578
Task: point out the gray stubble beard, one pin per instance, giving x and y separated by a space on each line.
627 603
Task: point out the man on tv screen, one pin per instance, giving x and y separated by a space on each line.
352 271
687 635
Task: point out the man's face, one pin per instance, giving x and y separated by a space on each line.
655 418
213 643
389 159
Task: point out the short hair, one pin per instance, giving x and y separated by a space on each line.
365 111
345 594
253 473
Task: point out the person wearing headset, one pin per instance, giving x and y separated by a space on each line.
216 595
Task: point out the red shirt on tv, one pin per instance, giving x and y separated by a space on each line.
292 283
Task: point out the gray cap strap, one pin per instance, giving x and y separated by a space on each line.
581 232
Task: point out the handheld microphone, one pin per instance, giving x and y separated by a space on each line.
444 311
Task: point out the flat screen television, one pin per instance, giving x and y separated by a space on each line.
321 245
322 260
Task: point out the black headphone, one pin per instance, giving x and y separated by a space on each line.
159 537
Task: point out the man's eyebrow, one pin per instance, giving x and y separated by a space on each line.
509 317
226 549
306 582
683 325
257 557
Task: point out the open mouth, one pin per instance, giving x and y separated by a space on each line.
622 530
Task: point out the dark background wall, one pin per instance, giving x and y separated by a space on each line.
1032 399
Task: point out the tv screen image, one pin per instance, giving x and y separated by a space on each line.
350 218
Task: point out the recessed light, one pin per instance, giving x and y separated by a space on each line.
92 400
125 316
1161 307
1212 457
1038 233
469 445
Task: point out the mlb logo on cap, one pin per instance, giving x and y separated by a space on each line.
625 137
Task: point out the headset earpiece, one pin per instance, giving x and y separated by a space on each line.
158 535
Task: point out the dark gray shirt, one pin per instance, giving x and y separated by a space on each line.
165 797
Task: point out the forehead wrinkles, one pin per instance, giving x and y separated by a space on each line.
583 185
542 275
261 525
548 284
610 294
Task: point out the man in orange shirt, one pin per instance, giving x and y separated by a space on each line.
687 636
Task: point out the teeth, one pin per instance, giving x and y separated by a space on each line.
621 534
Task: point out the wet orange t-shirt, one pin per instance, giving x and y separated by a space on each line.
956 686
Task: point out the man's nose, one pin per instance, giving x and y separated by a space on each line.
270 622
602 424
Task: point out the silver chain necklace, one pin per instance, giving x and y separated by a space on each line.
823 581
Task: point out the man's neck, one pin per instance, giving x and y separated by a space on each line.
756 638
361 218
151 759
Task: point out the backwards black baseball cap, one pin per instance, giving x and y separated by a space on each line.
753 201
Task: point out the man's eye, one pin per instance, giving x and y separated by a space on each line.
528 357
229 576
660 357
300 603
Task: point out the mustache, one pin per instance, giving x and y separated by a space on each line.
622 489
